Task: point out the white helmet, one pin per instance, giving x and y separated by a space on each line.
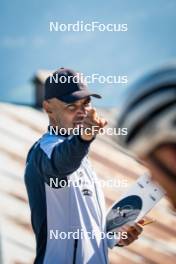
149 112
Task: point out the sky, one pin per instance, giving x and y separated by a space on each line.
27 45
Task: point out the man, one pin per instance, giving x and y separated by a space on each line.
62 187
149 114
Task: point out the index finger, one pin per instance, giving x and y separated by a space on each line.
134 227
92 114
138 227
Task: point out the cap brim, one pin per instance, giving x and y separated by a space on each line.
78 95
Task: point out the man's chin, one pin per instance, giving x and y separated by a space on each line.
77 125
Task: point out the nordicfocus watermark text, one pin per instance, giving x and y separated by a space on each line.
81 183
81 130
89 79
82 234
81 26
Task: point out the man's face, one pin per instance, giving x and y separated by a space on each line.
166 155
67 115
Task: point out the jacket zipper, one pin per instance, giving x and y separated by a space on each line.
75 250
96 192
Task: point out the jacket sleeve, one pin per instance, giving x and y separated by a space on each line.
64 158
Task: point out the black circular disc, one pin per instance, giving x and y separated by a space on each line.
123 212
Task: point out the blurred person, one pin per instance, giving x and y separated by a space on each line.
149 114
66 207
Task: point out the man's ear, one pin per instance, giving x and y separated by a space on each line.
47 107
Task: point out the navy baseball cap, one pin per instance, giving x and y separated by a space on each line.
67 86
